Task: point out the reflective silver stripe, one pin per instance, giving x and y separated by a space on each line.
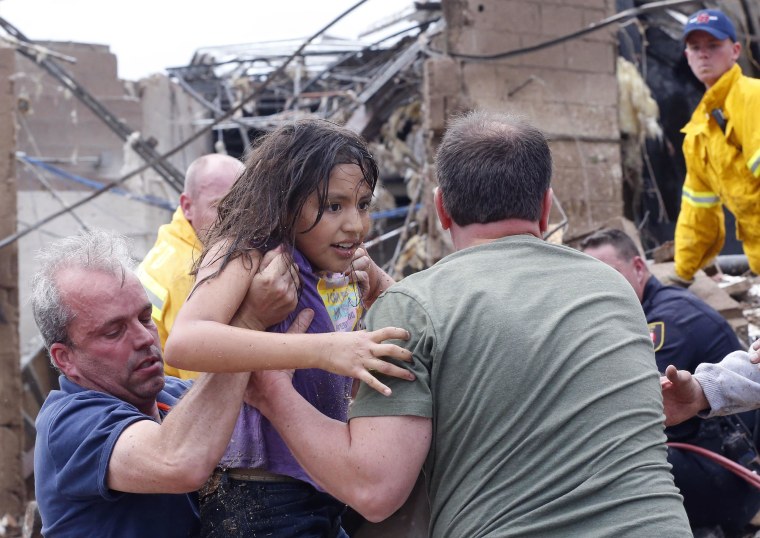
701 200
755 167
154 299
754 163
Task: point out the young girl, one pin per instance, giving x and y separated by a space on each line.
306 189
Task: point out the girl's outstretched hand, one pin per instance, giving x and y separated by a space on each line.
361 355
682 396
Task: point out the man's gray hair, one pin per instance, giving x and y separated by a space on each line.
96 250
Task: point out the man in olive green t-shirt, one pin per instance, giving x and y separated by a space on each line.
537 408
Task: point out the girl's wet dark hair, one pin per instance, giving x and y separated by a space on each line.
284 168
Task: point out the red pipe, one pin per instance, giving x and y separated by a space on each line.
743 472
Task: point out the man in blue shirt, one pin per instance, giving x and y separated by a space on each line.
109 460
685 332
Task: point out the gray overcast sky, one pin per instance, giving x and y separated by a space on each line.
150 35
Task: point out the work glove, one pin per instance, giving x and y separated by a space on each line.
672 279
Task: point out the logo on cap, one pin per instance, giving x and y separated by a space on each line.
713 22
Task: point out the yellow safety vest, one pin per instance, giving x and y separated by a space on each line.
165 275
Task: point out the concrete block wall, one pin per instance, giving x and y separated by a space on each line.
54 124
11 431
95 67
568 90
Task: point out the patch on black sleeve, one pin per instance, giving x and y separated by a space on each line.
657 334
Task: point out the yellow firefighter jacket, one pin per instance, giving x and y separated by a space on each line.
165 275
722 168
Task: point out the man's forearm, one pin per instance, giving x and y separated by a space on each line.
200 425
320 444
371 463
179 454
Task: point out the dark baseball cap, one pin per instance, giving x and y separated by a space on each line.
713 22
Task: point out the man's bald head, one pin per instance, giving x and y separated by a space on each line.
208 180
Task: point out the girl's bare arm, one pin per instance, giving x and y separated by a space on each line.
202 338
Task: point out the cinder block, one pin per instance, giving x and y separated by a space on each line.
8 261
507 16
592 4
554 118
481 80
604 211
576 208
435 118
7 198
561 20
9 305
481 41
456 13
604 182
594 14
95 68
518 83
562 153
562 86
442 76
602 152
590 56
603 87
551 57
574 181
571 119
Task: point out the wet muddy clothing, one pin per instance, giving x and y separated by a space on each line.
534 362
255 442
76 432
277 509
165 275
685 332
288 508
722 151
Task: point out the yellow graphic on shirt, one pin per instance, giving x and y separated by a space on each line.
342 300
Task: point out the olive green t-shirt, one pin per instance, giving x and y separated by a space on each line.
534 362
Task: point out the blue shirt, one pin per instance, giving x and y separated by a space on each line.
77 429
685 332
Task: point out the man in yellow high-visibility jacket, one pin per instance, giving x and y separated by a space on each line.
165 270
721 148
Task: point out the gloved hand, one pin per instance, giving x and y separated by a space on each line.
672 279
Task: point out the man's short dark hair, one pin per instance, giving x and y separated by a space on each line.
492 167
617 239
